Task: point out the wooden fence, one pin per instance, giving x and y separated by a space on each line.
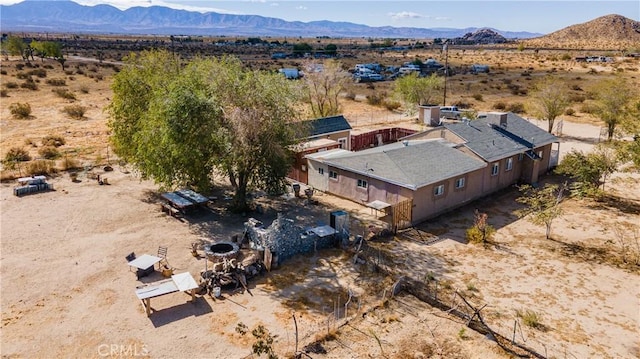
378 137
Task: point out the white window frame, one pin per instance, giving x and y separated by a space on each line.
509 165
495 169
333 175
343 143
321 171
460 182
438 190
363 184
540 153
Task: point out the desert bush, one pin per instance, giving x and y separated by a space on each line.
516 107
575 87
20 110
391 105
53 140
69 163
49 152
478 97
38 72
350 95
3 72
11 85
19 66
76 112
17 154
4 93
79 71
374 99
22 75
68 72
93 69
30 142
47 66
566 57
530 319
99 77
85 90
29 84
569 112
41 167
64 93
577 98
589 108
56 82
500 106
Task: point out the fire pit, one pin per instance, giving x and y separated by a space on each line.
217 252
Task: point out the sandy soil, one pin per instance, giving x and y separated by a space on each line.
66 290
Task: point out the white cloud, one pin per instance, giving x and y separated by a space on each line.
301 7
405 15
442 18
274 4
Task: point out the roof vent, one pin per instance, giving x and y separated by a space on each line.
405 143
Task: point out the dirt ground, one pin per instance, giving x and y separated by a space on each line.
66 290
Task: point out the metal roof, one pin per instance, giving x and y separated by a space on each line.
326 125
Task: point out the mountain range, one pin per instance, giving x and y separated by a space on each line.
68 16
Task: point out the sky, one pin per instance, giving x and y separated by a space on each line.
539 16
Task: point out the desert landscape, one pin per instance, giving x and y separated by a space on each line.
67 290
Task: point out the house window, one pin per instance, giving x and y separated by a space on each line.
343 143
303 168
495 168
460 182
540 154
362 183
333 174
321 171
520 156
438 190
509 164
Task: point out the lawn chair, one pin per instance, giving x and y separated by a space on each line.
162 253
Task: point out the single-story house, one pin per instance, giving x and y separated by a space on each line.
323 134
438 169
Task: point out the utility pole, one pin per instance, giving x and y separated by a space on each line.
445 48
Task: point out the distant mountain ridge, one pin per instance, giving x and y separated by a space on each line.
606 32
68 16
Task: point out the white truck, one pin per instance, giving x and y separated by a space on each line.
451 112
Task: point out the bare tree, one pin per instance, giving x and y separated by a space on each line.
549 100
323 85
542 204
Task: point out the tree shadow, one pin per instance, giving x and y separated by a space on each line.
609 202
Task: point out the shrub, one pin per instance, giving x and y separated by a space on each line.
64 93
39 73
17 154
76 112
577 98
566 57
49 152
11 85
516 107
23 75
350 95
374 99
530 319
53 140
41 167
19 66
3 72
4 93
68 72
391 105
85 89
69 163
20 110
47 66
30 142
57 82
500 106
478 97
589 108
570 112
29 84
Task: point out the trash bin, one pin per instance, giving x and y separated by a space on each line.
296 189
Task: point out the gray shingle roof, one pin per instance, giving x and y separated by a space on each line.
418 164
489 140
327 125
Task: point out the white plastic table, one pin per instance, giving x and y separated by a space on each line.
145 261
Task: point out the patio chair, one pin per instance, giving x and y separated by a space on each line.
131 256
162 253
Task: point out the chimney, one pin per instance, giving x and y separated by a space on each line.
503 120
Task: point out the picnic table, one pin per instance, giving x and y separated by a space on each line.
177 201
192 196
182 282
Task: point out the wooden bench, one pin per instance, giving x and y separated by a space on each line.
165 207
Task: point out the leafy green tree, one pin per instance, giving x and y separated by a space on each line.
302 48
45 49
589 170
323 88
614 100
179 123
542 204
414 90
16 46
549 100
331 49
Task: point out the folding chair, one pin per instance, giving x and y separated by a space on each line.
162 253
